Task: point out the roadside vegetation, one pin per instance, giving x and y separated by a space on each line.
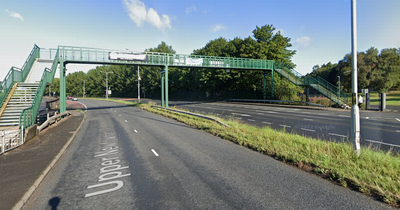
375 173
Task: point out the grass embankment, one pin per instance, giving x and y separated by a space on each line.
374 173
392 98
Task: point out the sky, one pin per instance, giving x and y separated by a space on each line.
320 30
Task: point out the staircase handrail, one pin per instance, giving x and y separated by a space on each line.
28 115
18 74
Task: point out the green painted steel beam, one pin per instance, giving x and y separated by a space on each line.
166 87
63 102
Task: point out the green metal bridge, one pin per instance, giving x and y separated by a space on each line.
64 55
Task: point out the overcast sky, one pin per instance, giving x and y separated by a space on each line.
320 30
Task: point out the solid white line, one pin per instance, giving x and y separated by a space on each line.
268 123
86 106
285 126
154 152
335 134
251 120
306 119
378 142
307 130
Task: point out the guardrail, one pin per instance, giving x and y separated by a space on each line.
10 139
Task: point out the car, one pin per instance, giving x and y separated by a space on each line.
69 97
75 98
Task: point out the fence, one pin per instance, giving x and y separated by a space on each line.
10 139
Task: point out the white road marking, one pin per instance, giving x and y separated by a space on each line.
305 112
398 119
335 134
238 118
268 123
367 118
378 142
135 131
398 131
286 126
251 120
272 112
120 115
306 119
154 152
126 120
343 116
243 115
307 130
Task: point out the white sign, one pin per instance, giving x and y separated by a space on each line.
127 56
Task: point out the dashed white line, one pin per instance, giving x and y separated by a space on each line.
343 116
398 131
268 123
126 120
135 131
335 134
304 129
272 112
286 126
306 119
251 120
154 152
305 112
120 115
398 119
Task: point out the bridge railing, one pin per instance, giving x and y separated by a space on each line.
28 115
94 55
18 75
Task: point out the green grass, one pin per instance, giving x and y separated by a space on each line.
374 173
392 98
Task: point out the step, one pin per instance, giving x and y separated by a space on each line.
27 84
8 124
9 118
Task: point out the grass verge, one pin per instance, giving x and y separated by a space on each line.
392 98
375 173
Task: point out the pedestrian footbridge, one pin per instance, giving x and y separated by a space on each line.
22 89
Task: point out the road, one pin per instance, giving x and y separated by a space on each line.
378 130
127 158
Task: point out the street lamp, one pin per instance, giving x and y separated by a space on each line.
83 95
355 110
339 86
107 72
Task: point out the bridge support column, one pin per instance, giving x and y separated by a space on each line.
166 86
272 84
63 102
264 85
162 88
307 94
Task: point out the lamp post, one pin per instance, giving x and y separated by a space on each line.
83 95
107 72
355 110
339 86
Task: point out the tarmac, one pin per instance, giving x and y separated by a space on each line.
23 169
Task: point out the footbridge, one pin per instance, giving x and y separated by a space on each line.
22 90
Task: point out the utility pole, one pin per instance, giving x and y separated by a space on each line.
138 84
107 72
355 110
339 86
83 95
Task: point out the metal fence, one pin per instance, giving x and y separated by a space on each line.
10 139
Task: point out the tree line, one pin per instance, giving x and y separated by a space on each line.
376 70
197 83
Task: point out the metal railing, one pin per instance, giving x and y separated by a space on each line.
18 75
10 139
95 55
318 83
28 115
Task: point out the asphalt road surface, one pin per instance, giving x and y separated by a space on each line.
126 158
378 130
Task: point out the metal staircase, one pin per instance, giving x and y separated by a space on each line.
21 99
324 87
